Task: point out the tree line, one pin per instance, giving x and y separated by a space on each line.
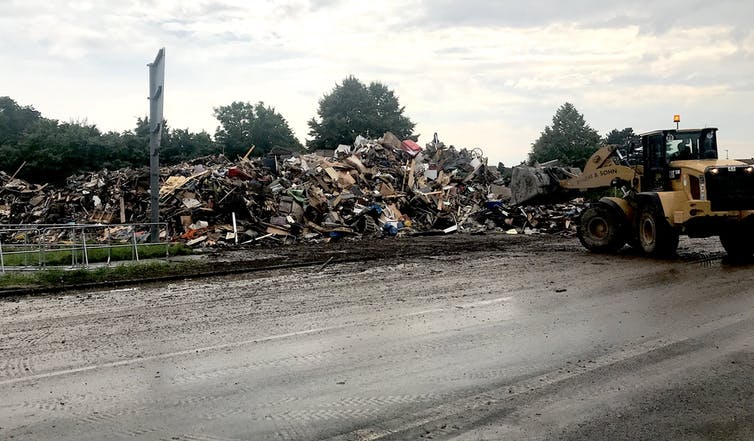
47 150
40 149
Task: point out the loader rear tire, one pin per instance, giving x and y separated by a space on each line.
738 241
600 230
656 236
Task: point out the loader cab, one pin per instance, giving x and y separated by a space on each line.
661 147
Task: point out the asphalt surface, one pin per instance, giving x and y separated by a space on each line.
531 339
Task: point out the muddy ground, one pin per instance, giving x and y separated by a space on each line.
398 248
461 337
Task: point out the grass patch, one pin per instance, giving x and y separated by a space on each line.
57 277
22 257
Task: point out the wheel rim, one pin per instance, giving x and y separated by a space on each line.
648 231
598 228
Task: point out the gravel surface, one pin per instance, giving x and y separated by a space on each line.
464 337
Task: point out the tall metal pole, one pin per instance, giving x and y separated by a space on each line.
156 100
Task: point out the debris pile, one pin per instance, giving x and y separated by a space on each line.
377 187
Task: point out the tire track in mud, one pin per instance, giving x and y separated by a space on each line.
112 416
138 433
428 345
297 423
15 368
288 361
110 345
98 412
365 405
100 418
286 431
197 437
26 337
495 401
88 408
89 413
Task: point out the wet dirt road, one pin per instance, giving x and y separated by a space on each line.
516 339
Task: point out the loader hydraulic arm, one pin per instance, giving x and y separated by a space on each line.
551 184
601 170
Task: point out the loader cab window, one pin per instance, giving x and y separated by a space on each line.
708 145
680 147
697 144
655 162
654 150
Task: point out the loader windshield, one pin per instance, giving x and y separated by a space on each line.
697 144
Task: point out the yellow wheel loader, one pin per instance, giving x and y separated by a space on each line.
677 186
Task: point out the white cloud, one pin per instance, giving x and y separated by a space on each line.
481 74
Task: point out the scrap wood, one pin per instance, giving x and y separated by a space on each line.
266 236
277 231
173 183
246 156
327 262
356 163
196 241
227 194
14 176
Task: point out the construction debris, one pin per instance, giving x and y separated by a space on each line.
375 188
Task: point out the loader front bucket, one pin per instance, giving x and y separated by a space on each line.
539 185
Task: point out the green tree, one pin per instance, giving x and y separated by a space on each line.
621 137
114 151
53 151
135 150
353 109
569 139
181 145
244 124
14 120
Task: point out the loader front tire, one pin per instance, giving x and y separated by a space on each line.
656 236
600 230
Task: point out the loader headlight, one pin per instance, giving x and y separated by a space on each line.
715 171
749 169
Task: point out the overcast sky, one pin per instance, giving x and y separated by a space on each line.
486 74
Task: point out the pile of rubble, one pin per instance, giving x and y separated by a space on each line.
382 187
